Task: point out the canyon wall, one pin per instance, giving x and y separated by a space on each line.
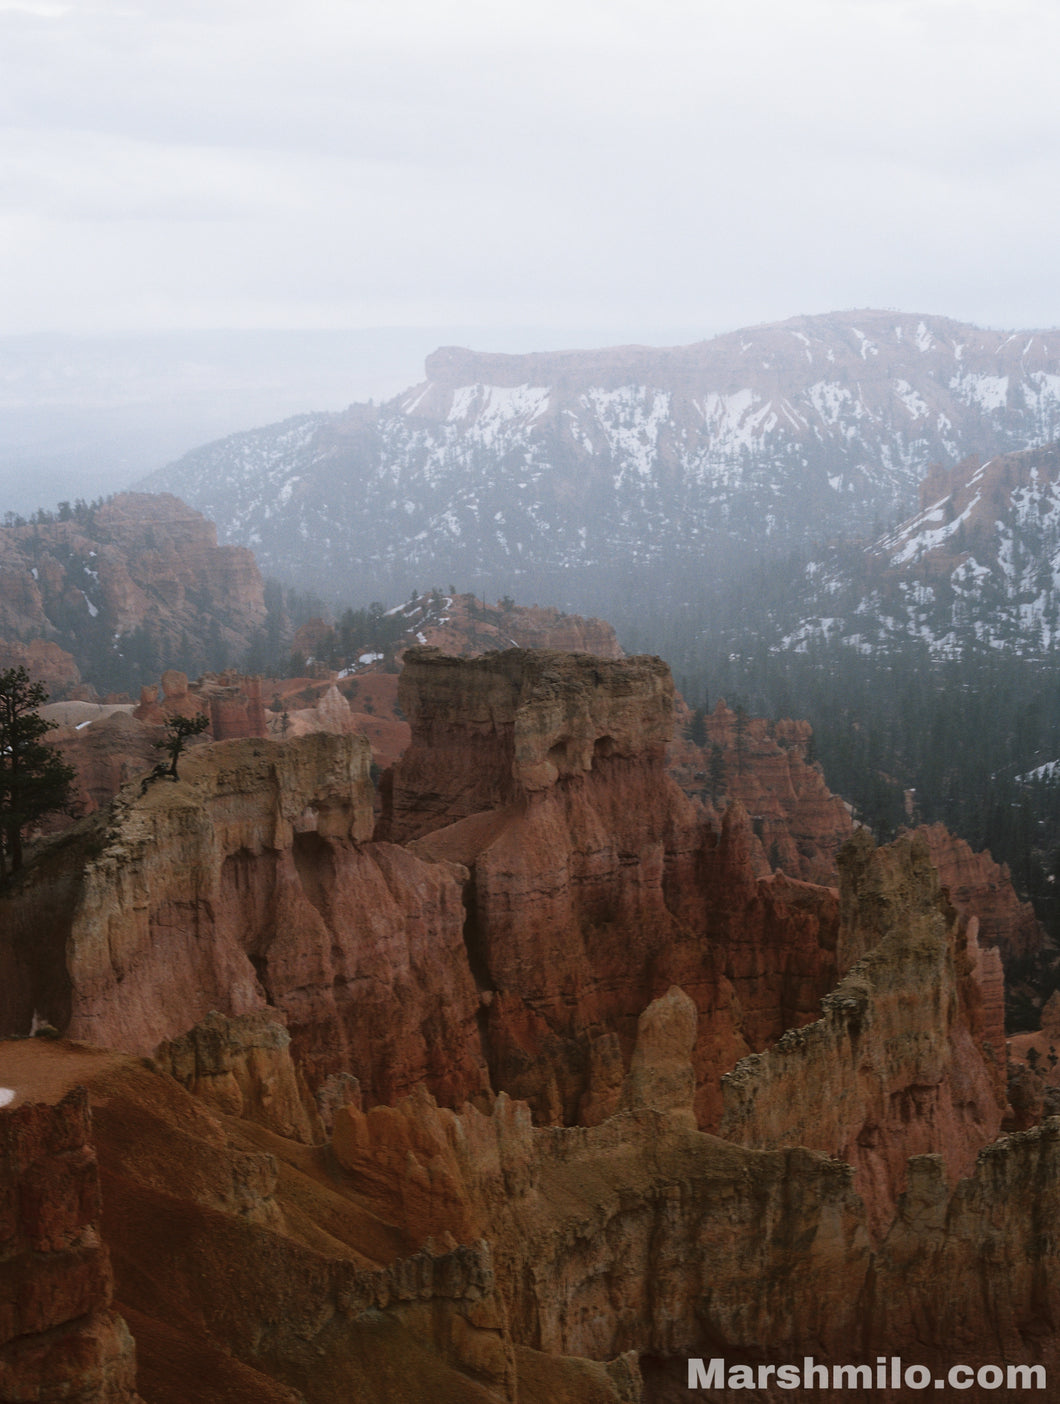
431 1118
60 1337
908 1058
594 881
469 1255
565 878
766 767
493 730
977 884
469 626
249 884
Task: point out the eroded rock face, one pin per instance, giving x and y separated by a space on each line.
472 627
643 1233
513 1028
799 825
908 1058
593 880
976 884
44 661
138 562
246 885
468 1255
242 1066
492 731
60 1336
522 938
106 755
109 746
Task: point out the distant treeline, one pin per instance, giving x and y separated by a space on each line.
77 511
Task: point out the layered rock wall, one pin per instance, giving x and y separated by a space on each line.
643 1233
765 766
469 1255
565 879
250 884
469 626
908 1058
60 1337
593 880
1007 927
495 730
512 1028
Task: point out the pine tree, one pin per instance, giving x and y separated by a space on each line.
179 730
34 778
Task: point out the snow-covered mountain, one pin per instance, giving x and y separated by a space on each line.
503 472
978 565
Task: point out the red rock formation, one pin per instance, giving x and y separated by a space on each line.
468 1256
310 636
59 1334
172 549
257 1271
977 884
242 1067
1034 1070
908 1058
232 701
247 884
593 880
470 627
149 709
237 711
490 731
444 1245
106 755
139 562
799 824
44 661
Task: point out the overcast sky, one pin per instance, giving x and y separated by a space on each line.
648 169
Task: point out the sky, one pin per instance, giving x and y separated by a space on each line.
610 168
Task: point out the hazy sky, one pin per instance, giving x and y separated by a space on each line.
639 167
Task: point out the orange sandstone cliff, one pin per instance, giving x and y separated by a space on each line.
467 1255
564 880
909 1056
250 883
60 1337
593 882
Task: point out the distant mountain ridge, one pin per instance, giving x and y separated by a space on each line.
537 472
977 566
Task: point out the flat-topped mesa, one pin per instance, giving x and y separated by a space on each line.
496 730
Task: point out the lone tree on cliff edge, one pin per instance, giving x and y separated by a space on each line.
179 730
34 778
